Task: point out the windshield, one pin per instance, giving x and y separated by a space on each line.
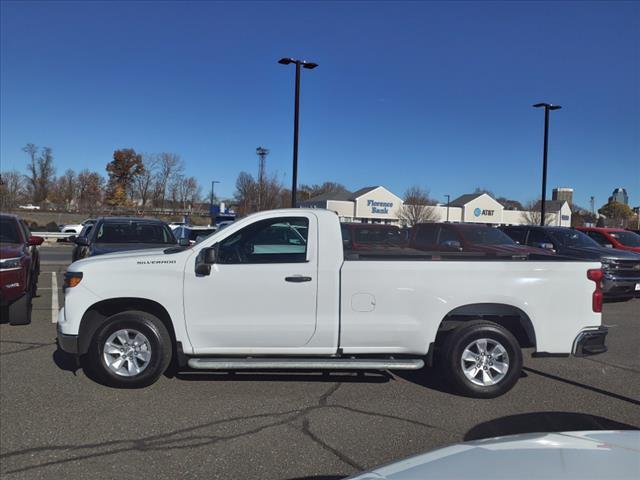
574 239
628 239
194 234
134 232
9 231
486 236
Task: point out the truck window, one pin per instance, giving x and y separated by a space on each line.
276 240
600 238
517 234
448 235
425 235
538 237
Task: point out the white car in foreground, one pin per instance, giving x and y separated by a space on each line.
606 455
276 290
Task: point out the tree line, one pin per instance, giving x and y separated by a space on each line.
133 180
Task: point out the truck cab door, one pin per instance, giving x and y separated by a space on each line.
261 291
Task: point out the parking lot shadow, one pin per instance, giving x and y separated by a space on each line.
543 422
285 376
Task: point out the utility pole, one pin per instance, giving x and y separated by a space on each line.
213 183
448 202
592 201
262 160
547 107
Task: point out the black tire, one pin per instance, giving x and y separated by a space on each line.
464 336
159 342
20 311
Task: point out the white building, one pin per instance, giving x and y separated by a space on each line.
379 205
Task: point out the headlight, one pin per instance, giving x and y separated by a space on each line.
608 263
11 263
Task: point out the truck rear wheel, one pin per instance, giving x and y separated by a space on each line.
482 359
130 350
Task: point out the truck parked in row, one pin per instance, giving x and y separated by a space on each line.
275 290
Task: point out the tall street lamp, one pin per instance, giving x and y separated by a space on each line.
448 202
547 107
213 183
310 66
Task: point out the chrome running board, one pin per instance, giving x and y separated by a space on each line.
305 363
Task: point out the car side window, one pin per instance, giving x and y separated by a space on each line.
600 238
276 240
425 235
518 235
538 237
447 235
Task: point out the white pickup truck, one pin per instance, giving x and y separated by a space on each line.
276 290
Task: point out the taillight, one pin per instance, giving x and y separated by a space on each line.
595 275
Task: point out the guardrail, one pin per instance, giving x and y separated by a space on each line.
53 235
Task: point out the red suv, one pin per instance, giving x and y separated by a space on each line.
19 269
614 238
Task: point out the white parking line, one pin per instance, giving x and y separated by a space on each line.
54 298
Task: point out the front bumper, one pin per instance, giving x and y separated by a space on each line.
68 343
615 286
590 341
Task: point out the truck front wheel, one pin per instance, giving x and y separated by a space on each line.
130 350
482 359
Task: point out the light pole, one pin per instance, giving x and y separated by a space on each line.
296 116
213 183
448 201
547 107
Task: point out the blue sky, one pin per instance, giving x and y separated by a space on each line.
436 94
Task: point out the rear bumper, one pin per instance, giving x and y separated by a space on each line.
590 341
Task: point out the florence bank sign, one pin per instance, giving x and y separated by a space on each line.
379 207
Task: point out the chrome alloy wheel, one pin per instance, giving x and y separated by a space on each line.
485 362
127 352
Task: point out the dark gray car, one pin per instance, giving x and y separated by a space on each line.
119 234
621 268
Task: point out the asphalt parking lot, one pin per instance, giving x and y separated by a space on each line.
57 423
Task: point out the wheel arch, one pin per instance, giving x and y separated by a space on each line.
512 318
100 312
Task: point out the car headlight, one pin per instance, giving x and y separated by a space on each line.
11 263
608 263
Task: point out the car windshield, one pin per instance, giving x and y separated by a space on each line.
486 236
628 239
574 239
201 232
378 235
134 232
9 231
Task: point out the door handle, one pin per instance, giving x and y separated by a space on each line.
297 279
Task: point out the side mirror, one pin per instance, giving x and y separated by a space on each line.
205 259
546 246
183 242
82 241
607 245
454 244
34 241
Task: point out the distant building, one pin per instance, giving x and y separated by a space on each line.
563 194
620 195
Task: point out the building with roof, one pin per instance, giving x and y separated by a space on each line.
379 205
620 195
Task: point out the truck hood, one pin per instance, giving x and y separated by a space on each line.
10 250
130 258
109 248
569 455
595 253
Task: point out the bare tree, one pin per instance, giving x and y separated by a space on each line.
143 183
90 189
532 214
67 187
417 208
169 164
246 193
40 172
12 189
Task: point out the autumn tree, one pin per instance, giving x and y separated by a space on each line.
123 170
40 172
417 207
619 213
144 182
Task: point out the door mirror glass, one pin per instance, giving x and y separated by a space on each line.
184 242
205 259
82 241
